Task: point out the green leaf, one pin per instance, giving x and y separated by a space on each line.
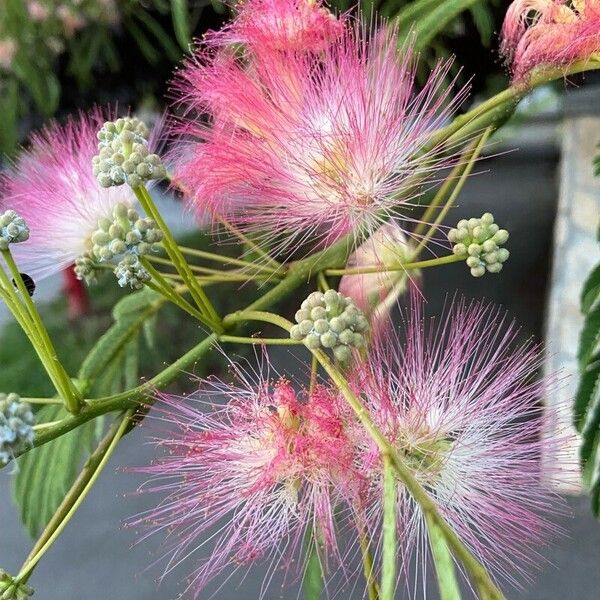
130 315
443 561
45 474
181 21
589 384
589 340
161 36
591 426
428 23
590 293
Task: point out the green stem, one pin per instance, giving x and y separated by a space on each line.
29 318
388 569
368 566
234 339
246 240
228 260
443 561
163 287
176 256
76 495
422 264
465 171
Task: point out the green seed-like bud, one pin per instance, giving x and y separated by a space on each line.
16 427
478 241
123 154
13 229
330 320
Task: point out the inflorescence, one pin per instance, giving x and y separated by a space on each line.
126 237
13 229
16 427
330 320
479 241
123 154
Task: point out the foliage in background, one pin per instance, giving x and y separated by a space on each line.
52 52
587 401
46 45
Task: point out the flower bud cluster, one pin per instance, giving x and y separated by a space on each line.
123 154
13 229
125 237
479 241
10 590
330 320
16 427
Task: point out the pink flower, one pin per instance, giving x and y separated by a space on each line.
52 187
377 293
250 478
72 22
8 49
462 405
37 11
281 25
549 33
312 147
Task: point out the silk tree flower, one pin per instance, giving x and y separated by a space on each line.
461 404
312 147
375 294
52 187
549 33
248 479
265 26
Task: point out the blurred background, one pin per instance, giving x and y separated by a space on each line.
59 56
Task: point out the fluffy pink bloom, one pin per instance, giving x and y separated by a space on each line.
280 25
52 187
37 11
247 479
309 148
377 293
461 404
550 33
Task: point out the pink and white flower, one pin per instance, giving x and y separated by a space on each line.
265 26
462 405
549 33
51 185
249 479
315 146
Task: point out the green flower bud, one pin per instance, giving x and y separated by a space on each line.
478 241
13 229
330 320
16 427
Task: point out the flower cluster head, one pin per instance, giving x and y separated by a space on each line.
551 33
265 26
459 399
16 427
459 402
301 150
13 229
375 294
250 478
52 188
124 155
10 590
330 320
479 241
124 238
